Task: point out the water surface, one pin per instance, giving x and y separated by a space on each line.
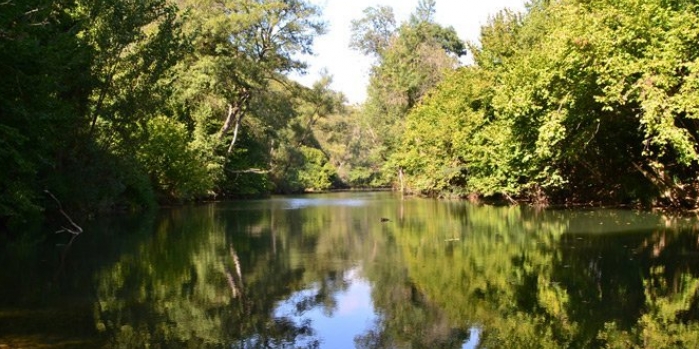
357 270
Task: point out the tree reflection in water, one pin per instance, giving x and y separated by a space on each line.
330 274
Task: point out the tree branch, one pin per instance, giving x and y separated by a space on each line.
75 229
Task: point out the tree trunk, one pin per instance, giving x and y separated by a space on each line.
229 119
235 132
236 111
676 194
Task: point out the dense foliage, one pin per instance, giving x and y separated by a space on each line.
122 104
569 102
410 60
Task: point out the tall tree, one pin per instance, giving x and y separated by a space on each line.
426 9
41 98
242 45
134 45
372 33
411 61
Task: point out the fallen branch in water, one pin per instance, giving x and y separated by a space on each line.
76 229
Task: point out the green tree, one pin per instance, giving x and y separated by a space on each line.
240 47
411 60
172 165
578 103
134 47
84 77
299 161
372 33
234 95
40 97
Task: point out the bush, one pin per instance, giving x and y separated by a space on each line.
175 170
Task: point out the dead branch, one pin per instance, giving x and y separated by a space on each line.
75 229
510 199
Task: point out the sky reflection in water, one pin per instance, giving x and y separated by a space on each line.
354 315
329 271
337 328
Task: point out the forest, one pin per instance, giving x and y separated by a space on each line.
122 105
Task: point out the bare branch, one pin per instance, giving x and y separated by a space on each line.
75 229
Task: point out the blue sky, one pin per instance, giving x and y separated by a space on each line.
350 70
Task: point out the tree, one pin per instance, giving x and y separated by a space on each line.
40 98
134 45
372 33
411 60
299 161
571 113
242 45
426 9
84 76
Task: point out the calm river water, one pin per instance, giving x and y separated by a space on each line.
357 270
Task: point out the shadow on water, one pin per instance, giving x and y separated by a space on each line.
47 295
357 270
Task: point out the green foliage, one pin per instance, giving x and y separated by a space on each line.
659 327
372 33
17 196
317 174
241 49
133 45
567 102
244 113
362 177
412 59
41 96
81 79
440 138
347 140
305 169
110 104
173 166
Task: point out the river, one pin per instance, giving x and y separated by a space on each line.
357 270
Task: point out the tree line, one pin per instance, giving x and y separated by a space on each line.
125 104
568 102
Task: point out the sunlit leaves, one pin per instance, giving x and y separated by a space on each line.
170 161
579 92
411 59
233 83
